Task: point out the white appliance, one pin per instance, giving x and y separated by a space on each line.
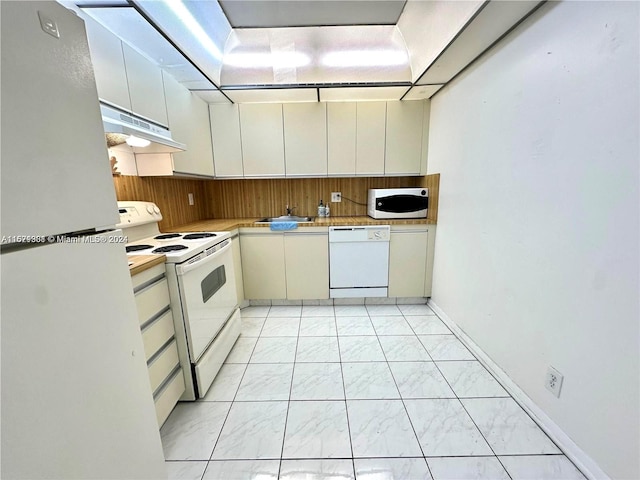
76 398
202 288
384 203
359 261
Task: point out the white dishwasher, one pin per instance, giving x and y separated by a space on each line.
359 261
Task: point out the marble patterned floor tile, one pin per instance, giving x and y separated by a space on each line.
317 429
318 327
383 310
242 350
403 349
252 326
445 347
317 349
255 311
226 383
381 428
316 470
275 350
285 311
360 325
427 325
507 428
253 430
420 380
368 380
317 311
317 381
534 467
415 310
185 470
242 470
266 381
391 325
360 349
281 327
444 428
191 431
350 310
468 468
391 469
471 379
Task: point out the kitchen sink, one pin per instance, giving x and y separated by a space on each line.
286 218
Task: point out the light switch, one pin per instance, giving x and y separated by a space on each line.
191 199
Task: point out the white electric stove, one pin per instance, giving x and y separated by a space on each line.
199 269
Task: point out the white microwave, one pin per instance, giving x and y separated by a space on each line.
398 203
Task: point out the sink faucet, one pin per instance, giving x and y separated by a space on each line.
290 210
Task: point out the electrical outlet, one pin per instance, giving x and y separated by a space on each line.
336 197
553 381
191 199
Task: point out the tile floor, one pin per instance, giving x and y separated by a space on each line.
375 392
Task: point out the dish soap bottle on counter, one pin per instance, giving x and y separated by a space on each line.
322 211
327 210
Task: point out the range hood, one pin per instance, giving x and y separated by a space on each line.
119 126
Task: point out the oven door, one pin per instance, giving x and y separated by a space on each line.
207 287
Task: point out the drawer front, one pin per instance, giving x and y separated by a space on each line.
157 334
168 398
148 275
163 365
152 300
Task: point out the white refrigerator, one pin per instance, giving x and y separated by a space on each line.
75 394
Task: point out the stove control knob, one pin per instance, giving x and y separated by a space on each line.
150 209
156 210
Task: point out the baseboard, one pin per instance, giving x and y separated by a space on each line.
581 460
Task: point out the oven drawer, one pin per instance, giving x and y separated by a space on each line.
157 333
168 396
162 366
152 299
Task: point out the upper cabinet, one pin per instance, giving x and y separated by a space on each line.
188 117
370 138
146 88
227 144
341 138
305 139
404 138
262 140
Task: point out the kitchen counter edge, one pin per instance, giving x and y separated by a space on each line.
140 263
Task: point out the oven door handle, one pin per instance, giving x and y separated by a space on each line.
187 267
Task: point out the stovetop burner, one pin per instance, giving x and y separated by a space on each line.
197 236
137 248
169 248
166 236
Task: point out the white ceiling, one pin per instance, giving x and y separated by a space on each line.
361 49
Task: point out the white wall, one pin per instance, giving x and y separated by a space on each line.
537 250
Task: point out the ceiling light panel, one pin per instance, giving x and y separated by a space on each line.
361 94
315 55
421 92
494 20
279 13
273 95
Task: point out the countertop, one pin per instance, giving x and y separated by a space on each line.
140 263
228 224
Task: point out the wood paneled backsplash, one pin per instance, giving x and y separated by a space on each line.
432 182
170 194
257 198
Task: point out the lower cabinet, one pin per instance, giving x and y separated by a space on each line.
411 260
237 266
158 336
292 265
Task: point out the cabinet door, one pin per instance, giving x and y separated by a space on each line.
225 135
263 268
407 263
370 138
341 138
237 268
262 140
305 138
146 89
431 247
307 265
108 64
188 117
404 137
